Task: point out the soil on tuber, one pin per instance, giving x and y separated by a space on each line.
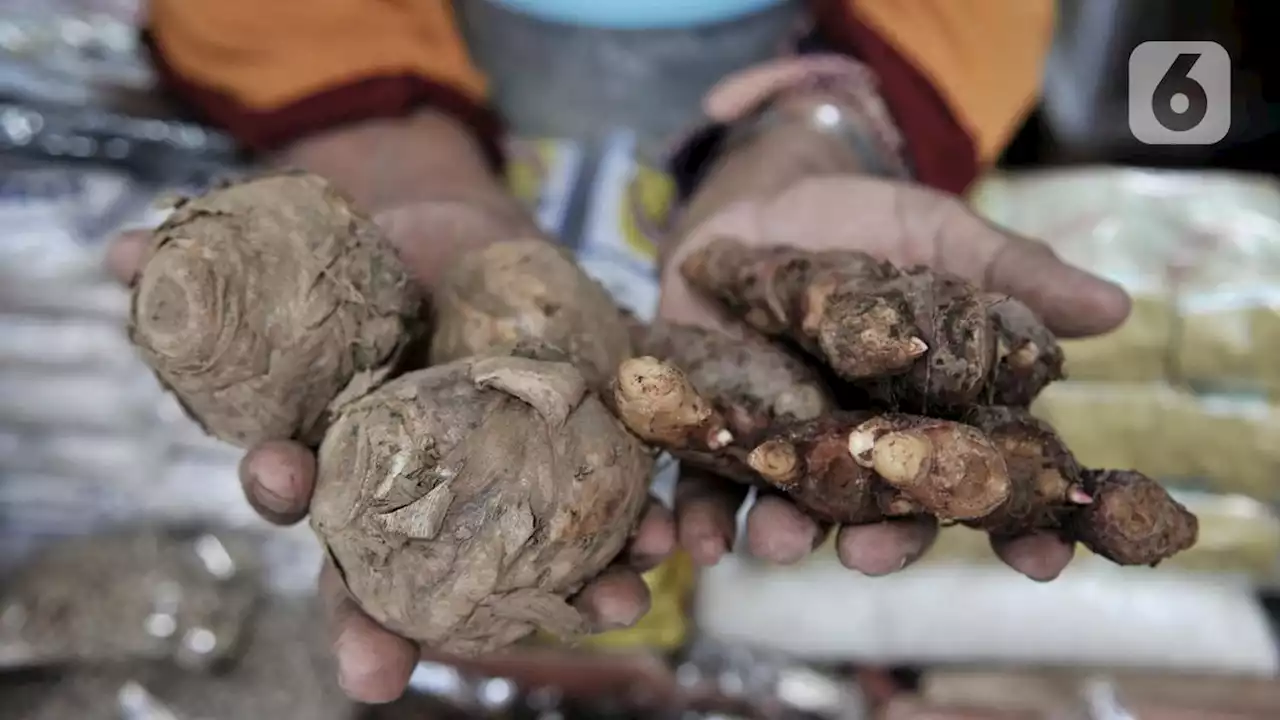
260 302
919 338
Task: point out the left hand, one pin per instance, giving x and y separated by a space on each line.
836 208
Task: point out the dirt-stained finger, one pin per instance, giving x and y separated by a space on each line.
278 477
706 510
1039 556
885 547
374 664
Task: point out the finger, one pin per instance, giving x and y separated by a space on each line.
374 664
777 531
654 539
706 514
885 547
1072 302
125 253
278 477
616 599
1040 556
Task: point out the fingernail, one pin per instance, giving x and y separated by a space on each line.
709 550
270 496
911 556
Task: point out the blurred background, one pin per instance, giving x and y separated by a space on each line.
135 581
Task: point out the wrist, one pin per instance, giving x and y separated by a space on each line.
385 162
787 121
425 179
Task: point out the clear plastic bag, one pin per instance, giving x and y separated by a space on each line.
140 594
32 341
283 670
1214 442
106 402
1073 695
1198 251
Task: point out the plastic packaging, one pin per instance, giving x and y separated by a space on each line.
63 344
124 402
1238 536
1103 695
182 596
709 679
1198 251
1213 442
282 671
122 459
1093 615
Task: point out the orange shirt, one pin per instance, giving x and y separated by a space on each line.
959 75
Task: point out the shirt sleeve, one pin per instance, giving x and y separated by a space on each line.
959 76
271 71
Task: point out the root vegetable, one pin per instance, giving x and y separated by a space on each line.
755 383
1029 356
714 396
1121 515
464 502
856 468
260 302
835 305
1132 519
919 338
528 290
1003 471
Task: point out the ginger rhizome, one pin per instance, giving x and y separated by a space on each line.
1003 471
918 336
923 412
260 302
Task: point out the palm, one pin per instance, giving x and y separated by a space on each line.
907 225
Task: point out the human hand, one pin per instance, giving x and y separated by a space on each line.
429 213
909 225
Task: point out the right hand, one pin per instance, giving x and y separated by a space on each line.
430 214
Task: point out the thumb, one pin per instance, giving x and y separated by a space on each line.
125 255
1071 301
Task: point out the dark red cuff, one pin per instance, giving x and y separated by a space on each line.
384 96
941 152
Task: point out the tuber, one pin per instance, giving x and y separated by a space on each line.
524 290
755 385
464 502
261 301
919 338
1003 471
